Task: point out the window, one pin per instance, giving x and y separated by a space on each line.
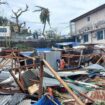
78 39
99 35
3 29
88 18
85 38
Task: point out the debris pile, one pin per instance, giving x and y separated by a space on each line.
41 79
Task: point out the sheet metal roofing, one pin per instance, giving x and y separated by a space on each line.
11 99
43 49
68 43
26 53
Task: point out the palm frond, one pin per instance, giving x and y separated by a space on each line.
44 16
40 7
37 10
48 20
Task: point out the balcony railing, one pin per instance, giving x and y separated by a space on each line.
90 28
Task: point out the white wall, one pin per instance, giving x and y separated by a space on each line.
94 19
7 33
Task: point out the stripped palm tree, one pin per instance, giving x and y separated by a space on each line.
44 16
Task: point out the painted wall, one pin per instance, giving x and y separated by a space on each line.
94 18
83 23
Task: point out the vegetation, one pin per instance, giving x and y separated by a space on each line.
52 34
36 34
23 47
3 21
44 16
16 16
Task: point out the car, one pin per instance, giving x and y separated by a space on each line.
29 37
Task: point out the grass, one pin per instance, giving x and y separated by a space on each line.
23 47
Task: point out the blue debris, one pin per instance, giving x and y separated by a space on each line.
46 101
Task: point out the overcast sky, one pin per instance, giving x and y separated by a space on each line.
61 11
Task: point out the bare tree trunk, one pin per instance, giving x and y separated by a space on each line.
17 14
44 29
17 23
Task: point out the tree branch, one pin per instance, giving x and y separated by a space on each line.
21 11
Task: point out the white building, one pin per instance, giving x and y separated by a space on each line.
5 31
89 27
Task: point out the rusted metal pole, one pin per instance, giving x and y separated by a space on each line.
90 99
41 80
17 81
20 77
63 83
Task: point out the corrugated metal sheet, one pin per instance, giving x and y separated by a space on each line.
11 99
25 102
5 99
30 75
17 98
52 57
97 95
4 75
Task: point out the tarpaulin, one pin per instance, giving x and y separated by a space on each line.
46 101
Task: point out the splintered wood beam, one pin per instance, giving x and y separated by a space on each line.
77 99
99 59
41 80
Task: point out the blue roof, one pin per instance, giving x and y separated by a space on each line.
68 43
43 49
26 53
44 100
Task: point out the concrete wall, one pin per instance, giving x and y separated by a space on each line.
83 23
94 18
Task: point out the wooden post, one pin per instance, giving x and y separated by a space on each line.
99 59
80 58
41 80
63 83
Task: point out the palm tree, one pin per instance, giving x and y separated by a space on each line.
44 16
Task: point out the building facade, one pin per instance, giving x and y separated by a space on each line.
5 31
89 27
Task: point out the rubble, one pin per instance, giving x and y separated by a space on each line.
30 74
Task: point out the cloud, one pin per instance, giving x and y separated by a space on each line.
61 11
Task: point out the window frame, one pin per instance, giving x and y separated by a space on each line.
88 18
85 38
100 36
